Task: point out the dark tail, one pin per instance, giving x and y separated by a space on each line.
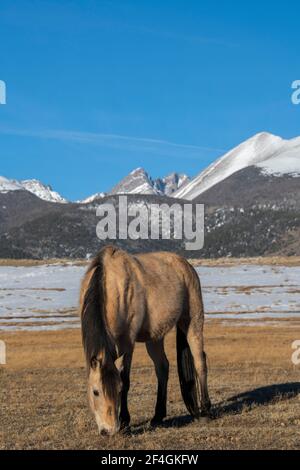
187 374
95 335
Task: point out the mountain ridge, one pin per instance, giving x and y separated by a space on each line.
34 186
136 182
271 153
253 209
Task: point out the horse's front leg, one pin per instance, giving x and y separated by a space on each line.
125 377
157 353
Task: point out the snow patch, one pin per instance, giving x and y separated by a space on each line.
9 185
46 297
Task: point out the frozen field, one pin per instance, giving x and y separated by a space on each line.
45 297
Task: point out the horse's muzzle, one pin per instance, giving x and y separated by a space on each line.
108 432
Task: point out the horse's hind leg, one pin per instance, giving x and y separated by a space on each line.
195 341
157 353
125 377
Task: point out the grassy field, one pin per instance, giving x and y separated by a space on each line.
254 387
260 260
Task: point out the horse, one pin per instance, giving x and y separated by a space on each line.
127 298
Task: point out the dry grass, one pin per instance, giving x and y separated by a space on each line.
41 262
260 260
44 406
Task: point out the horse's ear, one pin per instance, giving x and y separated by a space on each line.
119 363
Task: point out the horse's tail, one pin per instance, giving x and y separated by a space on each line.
95 334
187 374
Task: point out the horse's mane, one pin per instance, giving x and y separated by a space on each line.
96 336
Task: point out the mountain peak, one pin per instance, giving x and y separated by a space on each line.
263 150
138 171
137 182
42 191
250 152
265 138
265 135
34 186
91 198
171 183
9 185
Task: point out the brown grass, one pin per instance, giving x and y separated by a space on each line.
43 401
260 260
41 262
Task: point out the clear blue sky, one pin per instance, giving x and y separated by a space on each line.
97 88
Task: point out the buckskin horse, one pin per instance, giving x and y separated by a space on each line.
128 298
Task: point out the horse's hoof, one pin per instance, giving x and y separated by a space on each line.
155 422
205 418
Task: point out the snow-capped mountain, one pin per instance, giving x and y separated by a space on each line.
137 182
91 198
171 183
285 161
9 185
272 153
41 190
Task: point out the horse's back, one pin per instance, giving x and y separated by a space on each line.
167 268
149 292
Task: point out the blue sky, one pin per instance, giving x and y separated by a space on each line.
98 88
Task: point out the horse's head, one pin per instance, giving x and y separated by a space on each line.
104 391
